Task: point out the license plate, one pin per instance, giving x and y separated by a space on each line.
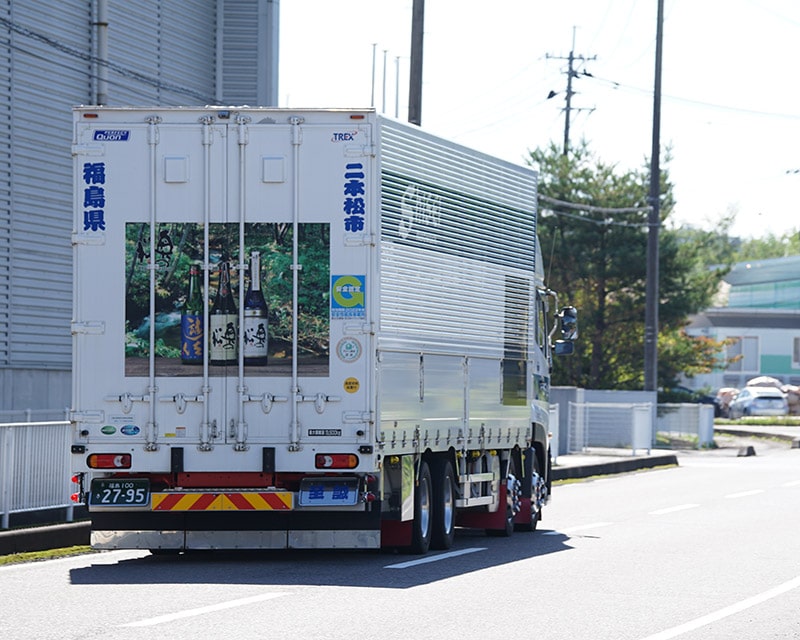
116 492
328 492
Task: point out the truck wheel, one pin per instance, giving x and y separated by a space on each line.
538 491
444 505
508 529
423 497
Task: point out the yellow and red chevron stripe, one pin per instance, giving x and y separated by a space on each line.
239 501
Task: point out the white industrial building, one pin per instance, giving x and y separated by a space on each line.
55 55
759 314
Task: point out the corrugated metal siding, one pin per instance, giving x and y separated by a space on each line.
239 52
5 189
162 52
458 243
188 48
45 79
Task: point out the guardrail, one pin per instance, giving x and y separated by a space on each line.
34 468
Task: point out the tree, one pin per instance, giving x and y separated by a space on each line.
595 257
770 246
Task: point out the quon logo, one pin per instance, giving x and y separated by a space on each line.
112 135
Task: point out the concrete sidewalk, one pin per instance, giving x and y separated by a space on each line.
593 462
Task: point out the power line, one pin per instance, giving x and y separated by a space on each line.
700 103
594 209
86 57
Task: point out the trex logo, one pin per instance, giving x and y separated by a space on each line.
347 136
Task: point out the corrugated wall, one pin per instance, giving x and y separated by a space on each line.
161 52
244 78
44 79
5 190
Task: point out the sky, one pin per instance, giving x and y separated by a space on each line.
730 110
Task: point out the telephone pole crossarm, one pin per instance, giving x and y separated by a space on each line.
571 59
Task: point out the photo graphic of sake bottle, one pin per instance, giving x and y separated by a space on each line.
256 339
223 321
192 320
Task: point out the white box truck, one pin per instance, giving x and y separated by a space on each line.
303 329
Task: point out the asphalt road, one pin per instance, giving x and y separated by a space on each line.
706 550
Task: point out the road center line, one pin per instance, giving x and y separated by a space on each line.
190 613
680 507
427 559
743 494
582 527
727 611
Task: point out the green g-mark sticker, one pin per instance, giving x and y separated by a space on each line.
348 296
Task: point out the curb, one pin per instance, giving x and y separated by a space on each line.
617 466
56 536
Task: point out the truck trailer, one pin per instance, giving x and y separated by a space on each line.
314 328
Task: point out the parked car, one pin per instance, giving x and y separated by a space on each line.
759 401
682 394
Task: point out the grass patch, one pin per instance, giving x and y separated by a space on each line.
600 476
50 554
765 421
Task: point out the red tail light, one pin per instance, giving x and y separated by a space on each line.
336 461
109 461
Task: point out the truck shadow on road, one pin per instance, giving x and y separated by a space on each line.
472 551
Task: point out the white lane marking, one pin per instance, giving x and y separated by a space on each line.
582 527
793 483
744 494
680 507
727 611
427 559
189 613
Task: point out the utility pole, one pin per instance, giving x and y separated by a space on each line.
653 223
571 73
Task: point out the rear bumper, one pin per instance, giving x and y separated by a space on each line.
237 530
215 539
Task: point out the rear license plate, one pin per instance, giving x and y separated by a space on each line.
115 492
328 492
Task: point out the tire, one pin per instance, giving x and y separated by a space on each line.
508 529
423 521
536 512
444 504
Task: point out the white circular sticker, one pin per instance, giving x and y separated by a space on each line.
348 349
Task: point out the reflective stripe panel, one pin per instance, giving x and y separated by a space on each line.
250 501
187 502
259 501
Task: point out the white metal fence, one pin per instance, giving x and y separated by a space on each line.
34 468
631 425
33 415
618 425
687 419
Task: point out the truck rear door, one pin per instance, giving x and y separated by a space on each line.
159 192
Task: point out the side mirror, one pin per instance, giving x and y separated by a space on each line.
564 348
569 323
